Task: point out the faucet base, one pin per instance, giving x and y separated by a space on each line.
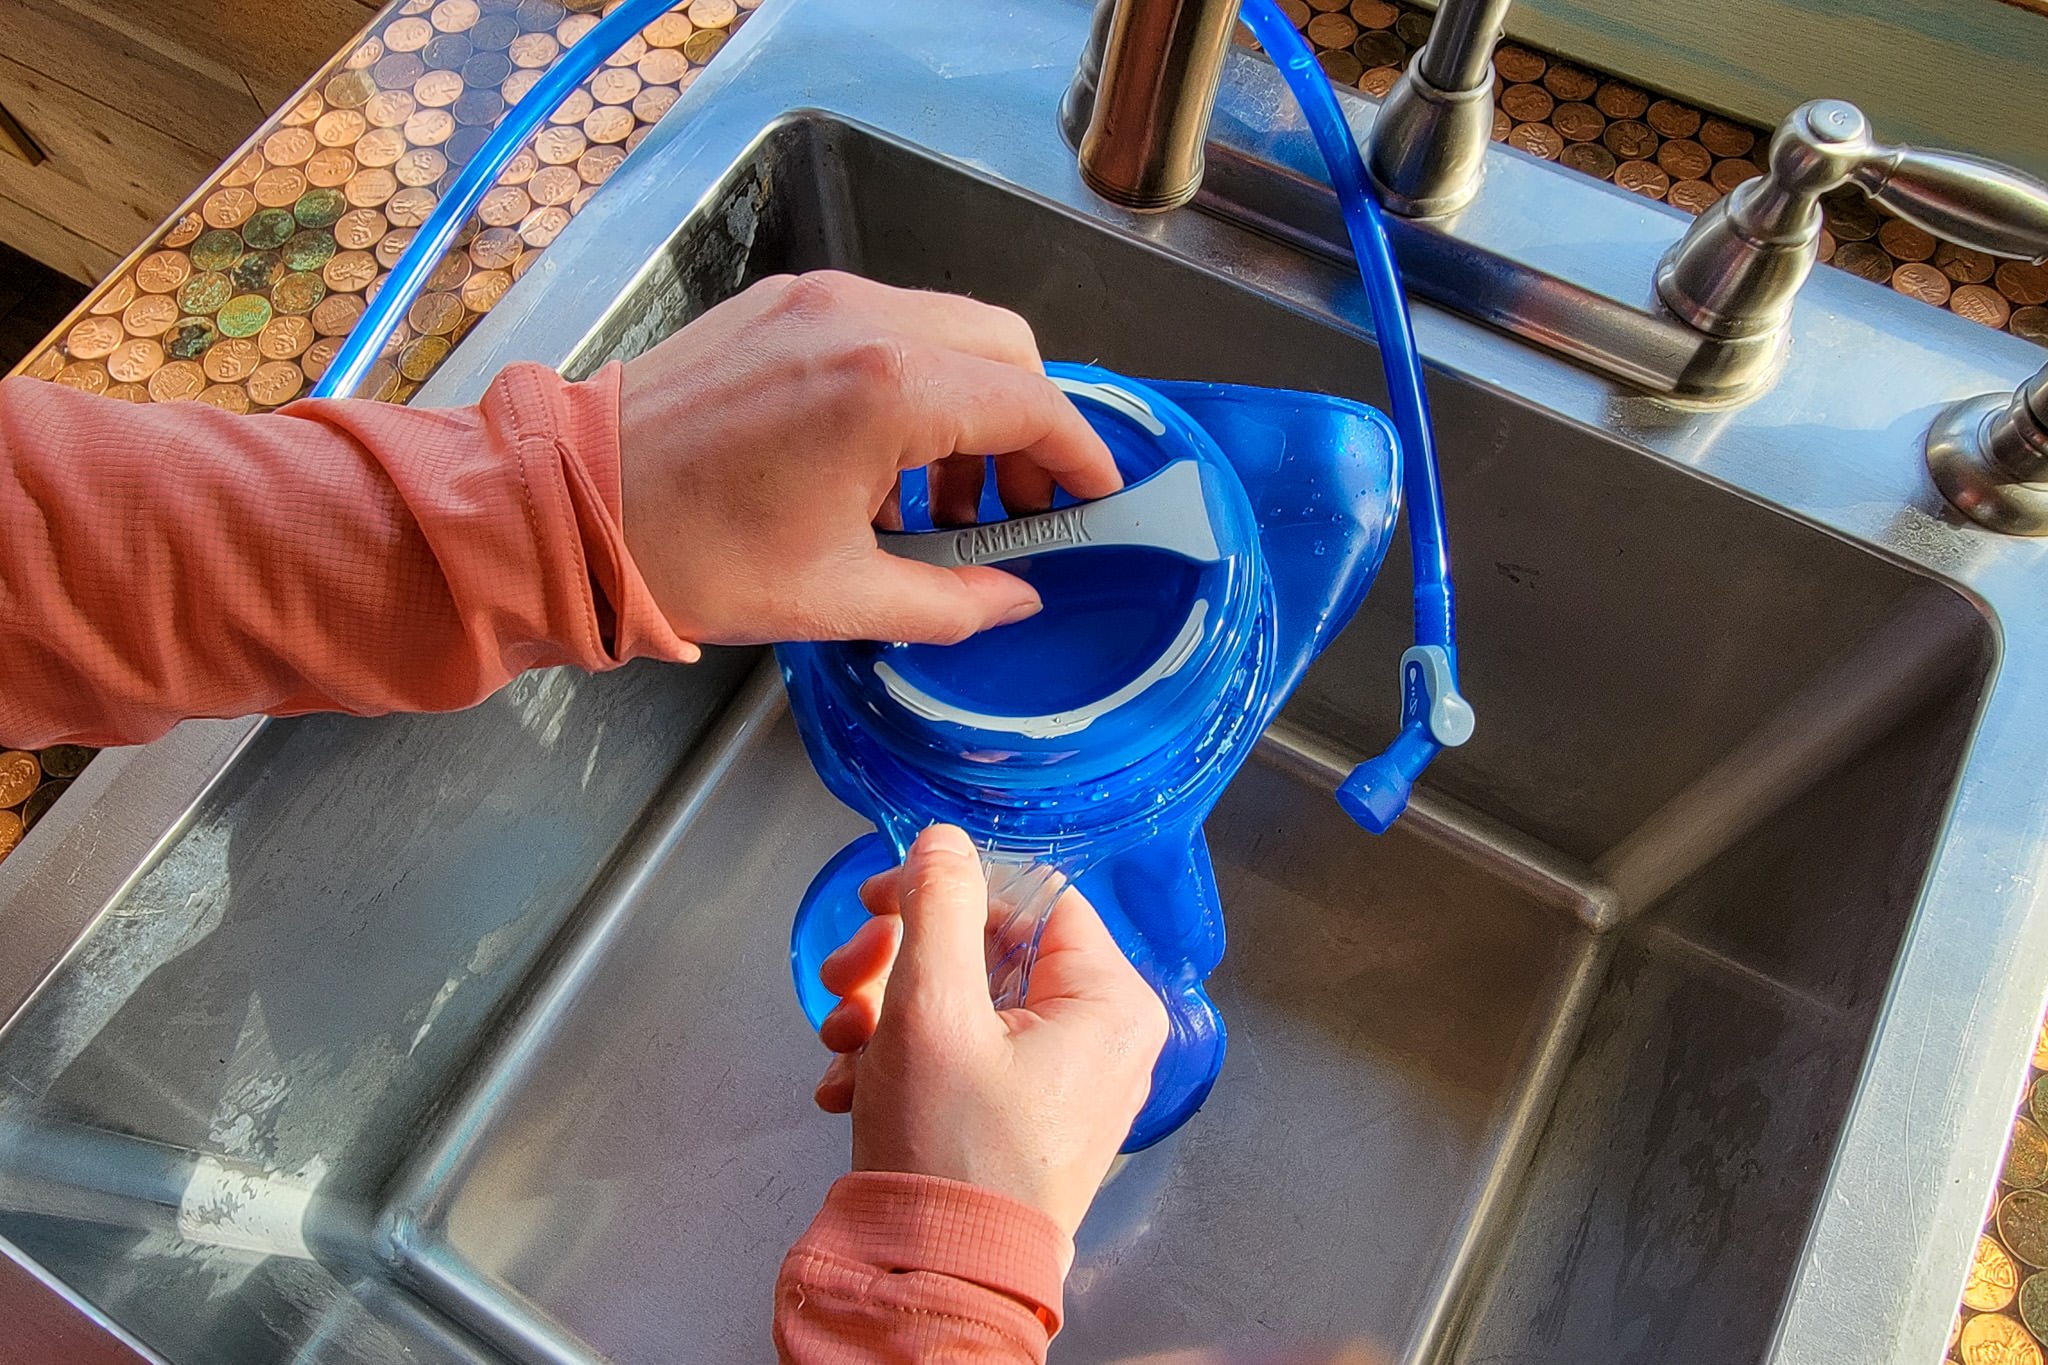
1961 457
1429 146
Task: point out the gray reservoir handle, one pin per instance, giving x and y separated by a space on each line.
1167 511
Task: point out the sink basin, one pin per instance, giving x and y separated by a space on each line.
471 1038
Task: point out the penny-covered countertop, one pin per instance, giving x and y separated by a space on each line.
241 298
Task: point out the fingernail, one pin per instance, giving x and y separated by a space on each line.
1021 612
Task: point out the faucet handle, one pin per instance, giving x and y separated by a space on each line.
1740 265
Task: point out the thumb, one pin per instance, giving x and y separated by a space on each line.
944 899
900 599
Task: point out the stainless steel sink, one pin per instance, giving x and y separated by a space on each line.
1674 1022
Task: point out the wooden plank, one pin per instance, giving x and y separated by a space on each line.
270 46
110 178
206 104
55 245
1960 74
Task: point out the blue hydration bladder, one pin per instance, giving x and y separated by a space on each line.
1087 744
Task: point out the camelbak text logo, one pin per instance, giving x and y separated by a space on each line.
999 539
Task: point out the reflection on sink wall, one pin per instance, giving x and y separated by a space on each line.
1551 1073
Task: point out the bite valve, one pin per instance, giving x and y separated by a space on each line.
1434 717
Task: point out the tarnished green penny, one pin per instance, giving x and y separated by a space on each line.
269 228
298 292
256 271
244 315
204 294
320 208
216 250
309 250
189 338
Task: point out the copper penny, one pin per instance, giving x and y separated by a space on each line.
1589 158
2029 323
719 13
350 89
188 226
1694 196
1922 281
1341 67
583 196
162 271
359 229
284 338
1684 159
11 829
340 127
617 85
226 208
595 166
1864 259
421 166
671 28
2024 284
481 291
92 339
437 90
126 393
703 45
639 136
150 315
1629 140
454 16
279 187
1724 138
392 246
571 30
1527 103
1381 80
574 109
1618 99
1413 28
330 167
177 380
408 35
365 56
1374 13
135 360
662 66
1963 264
543 225
517 84
380 147
113 297
1570 83
1502 124
534 51
370 187
244 171
227 397
1906 242
290 146
553 185
434 314
630 51
1515 63
1376 48
1537 139
1332 30
47 364
348 272
1672 119
306 111
1980 303
1994 1339
559 146
494 248
1578 122
504 206
20 774
336 314
520 168
1642 177
429 127
1994 1278
608 123
319 356
87 376
410 206
229 360
1825 250
275 383
389 108
449 272
1726 175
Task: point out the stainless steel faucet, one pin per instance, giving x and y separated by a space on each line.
1989 456
1740 265
1429 142
1139 105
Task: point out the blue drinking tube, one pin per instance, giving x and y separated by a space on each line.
1434 716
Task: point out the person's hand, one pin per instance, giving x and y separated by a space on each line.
762 442
1031 1102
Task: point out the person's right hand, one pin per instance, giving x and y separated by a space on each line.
1031 1102
760 444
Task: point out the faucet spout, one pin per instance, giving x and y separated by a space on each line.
1429 142
1146 88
